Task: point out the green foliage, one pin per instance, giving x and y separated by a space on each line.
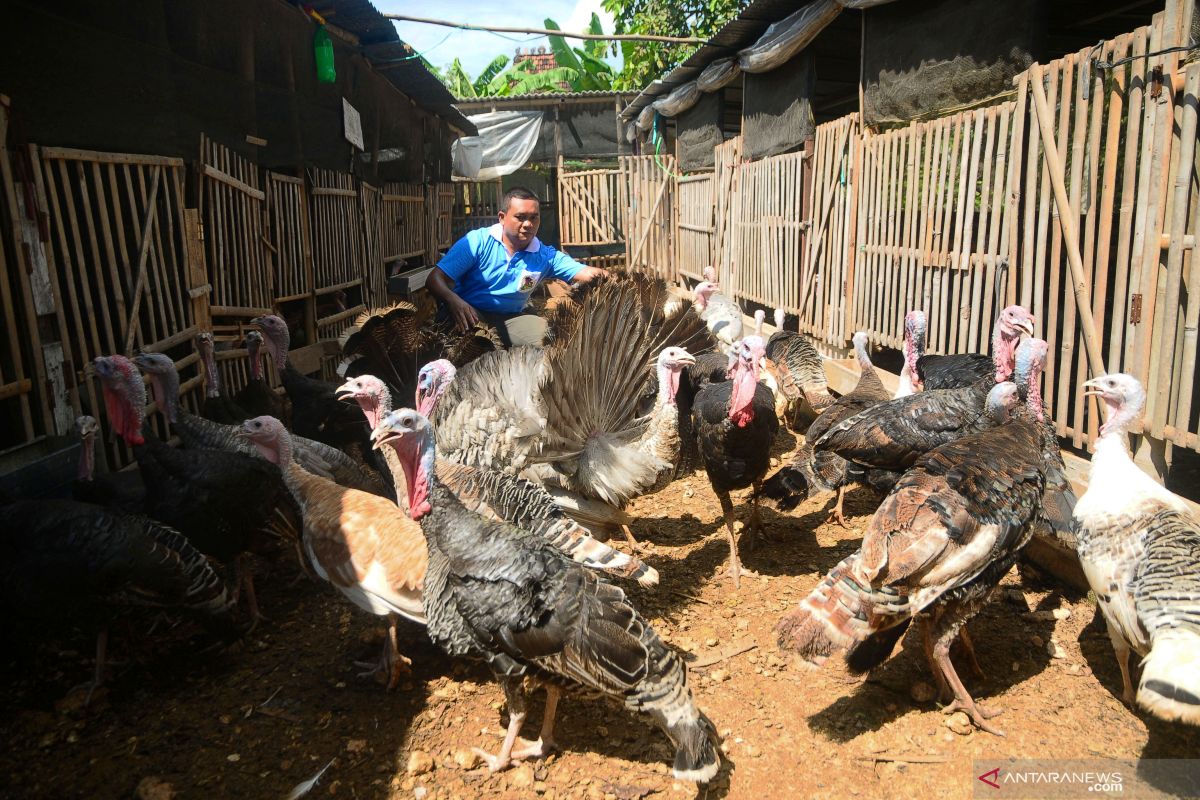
646 61
581 68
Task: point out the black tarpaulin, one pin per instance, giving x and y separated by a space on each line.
777 108
698 131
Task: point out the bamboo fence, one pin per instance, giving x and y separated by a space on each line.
591 207
650 214
696 228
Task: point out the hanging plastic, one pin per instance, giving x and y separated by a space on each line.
719 74
681 99
859 4
788 36
645 119
506 140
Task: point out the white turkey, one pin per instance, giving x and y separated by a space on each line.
1140 548
722 315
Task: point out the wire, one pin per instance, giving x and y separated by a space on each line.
1110 65
415 54
656 137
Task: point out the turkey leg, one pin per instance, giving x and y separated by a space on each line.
736 571
969 649
927 625
633 543
391 663
545 743
755 534
514 693
962 699
836 514
244 579
1122 652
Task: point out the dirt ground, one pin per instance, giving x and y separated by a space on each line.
258 719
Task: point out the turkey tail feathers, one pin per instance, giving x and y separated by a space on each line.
787 488
1170 685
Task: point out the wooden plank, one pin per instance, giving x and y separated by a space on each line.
227 179
139 284
73 154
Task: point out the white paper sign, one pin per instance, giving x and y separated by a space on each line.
352 125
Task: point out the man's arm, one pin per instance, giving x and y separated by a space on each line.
441 287
589 273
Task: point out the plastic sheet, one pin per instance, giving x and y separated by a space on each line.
719 74
466 154
645 119
681 99
508 139
788 36
859 4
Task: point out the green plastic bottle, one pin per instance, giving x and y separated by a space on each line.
323 51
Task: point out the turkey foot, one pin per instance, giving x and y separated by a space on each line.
735 565
1122 653
962 698
244 580
836 514
515 694
756 533
391 665
944 693
545 743
634 544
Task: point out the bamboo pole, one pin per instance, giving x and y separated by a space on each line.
139 285
1067 221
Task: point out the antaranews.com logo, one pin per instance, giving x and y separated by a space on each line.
1051 779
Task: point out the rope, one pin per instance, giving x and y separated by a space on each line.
1106 65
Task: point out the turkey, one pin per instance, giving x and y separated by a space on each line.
894 434
734 424
316 412
963 369
257 397
721 314
1140 548
224 503
950 530
197 432
914 321
501 594
571 417
825 470
393 342
64 560
123 490
360 542
218 406
493 493
799 368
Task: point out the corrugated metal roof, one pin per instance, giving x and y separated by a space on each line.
379 42
739 32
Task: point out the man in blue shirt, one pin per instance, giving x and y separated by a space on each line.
490 273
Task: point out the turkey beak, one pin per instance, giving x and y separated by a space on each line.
1092 388
1026 327
381 436
345 392
687 359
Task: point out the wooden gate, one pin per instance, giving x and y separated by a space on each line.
650 214
591 207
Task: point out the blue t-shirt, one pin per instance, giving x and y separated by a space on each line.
489 280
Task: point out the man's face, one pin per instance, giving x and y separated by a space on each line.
521 221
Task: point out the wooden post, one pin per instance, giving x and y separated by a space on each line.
1066 219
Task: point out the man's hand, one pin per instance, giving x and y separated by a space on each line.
463 312
589 273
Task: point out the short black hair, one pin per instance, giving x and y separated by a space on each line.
517 193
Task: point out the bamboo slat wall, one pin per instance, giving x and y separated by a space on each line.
341 272
650 214
231 207
476 204
826 283
933 225
765 230
727 160
287 203
405 229
697 224
591 206
118 266
443 206
1128 143
371 204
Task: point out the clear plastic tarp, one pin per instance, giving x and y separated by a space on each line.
788 36
507 139
645 119
680 99
719 74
